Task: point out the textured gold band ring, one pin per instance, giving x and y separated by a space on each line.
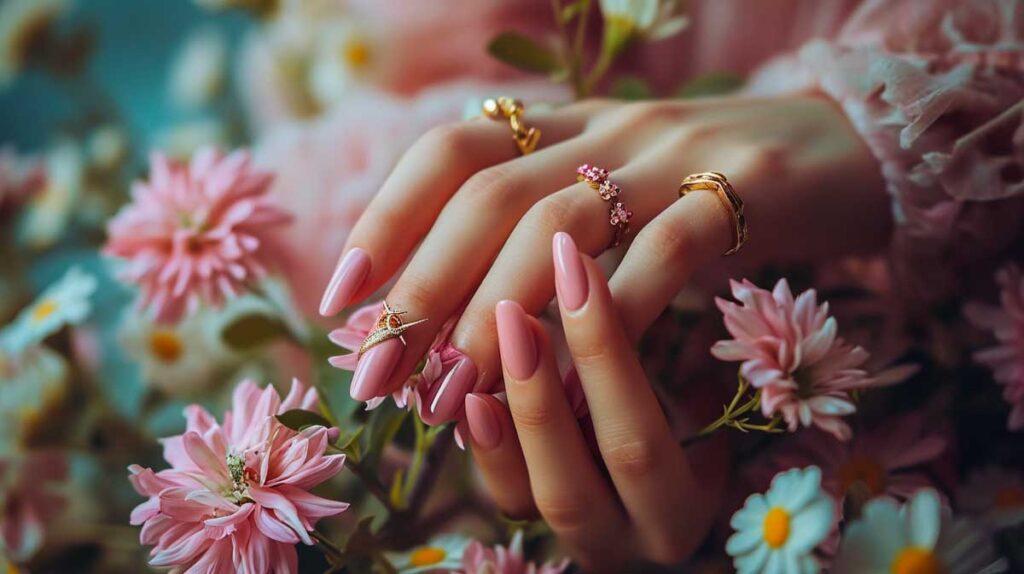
714 181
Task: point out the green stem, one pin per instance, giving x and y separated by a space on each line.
335 556
372 483
421 446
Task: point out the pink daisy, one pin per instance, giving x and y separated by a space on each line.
195 232
236 498
478 559
791 351
1006 357
28 502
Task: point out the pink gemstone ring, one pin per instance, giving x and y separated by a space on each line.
618 214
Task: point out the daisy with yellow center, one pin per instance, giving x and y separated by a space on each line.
347 56
65 302
919 538
777 532
441 554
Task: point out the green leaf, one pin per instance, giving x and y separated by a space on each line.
521 52
711 84
249 332
298 419
630 88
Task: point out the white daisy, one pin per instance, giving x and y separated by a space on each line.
22 24
993 495
778 531
65 302
30 385
919 538
651 19
442 553
346 56
47 213
200 68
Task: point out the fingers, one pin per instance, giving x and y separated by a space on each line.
696 229
455 256
496 450
417 190
650 471
523 272
569 492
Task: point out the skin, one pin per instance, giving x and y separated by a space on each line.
477 223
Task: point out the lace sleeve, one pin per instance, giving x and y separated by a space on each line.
937 91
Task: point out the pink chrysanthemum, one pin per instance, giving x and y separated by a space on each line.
478 559
28 501
195 232
350 337
791 351
236 498
1006 358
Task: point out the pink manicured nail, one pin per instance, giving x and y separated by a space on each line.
483 422
348 277
374 369
570 277
450 395
515 340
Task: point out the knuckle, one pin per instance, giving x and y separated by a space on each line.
536 417
414 292
492 186
634 458
631 116
563 512
553 213
666 241
696 133
589 349
451 142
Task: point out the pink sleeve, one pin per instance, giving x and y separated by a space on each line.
936 88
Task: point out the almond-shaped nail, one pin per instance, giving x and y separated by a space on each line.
515 340
348 277
374 369
446 402
570 276
483 422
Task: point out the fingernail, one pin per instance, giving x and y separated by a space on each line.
515 340
348 276
374 368
570 277
450 395
483 422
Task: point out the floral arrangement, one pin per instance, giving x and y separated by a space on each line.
146 280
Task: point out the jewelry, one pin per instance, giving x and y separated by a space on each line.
389 326
618 214
714 181
510 109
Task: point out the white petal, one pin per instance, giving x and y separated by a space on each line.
923 518
811 525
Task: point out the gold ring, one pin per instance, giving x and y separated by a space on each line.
510 109
714 181
389 326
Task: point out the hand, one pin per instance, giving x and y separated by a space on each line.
658 503
483 217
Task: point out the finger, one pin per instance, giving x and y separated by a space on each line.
693 231
496 450
569 491
421 184
452 260
523 270
650 471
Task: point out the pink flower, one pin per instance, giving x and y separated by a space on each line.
1006 358
791 351
479 559
236 498
197 231
27 502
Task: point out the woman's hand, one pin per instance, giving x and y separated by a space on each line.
655 503
484 217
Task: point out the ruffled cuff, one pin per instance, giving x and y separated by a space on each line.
947 128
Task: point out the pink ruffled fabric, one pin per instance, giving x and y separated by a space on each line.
936 88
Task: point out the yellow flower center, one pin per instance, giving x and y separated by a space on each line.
427 556
44 309
915 560
166 345
1010 497
357 54
864 470
776 527
12 569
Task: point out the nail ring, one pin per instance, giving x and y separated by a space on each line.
389 326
